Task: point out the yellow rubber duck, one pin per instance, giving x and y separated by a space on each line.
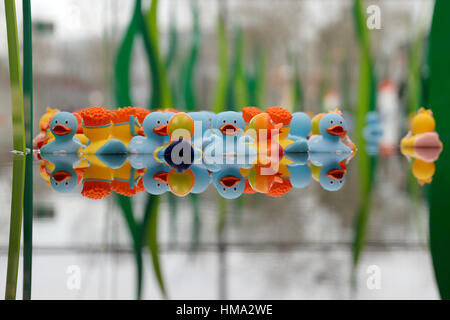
125 124
422 134
97 128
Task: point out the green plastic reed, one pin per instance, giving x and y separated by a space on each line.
19 146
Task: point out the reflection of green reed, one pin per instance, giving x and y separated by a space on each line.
415 95
146 26
19 145
366 102
439 95
28 107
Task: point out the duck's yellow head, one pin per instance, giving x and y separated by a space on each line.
423 122
180 125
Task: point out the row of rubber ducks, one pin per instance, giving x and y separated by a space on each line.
130 175
251 132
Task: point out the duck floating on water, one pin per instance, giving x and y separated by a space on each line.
332 129
155 130
97 128
63 127
226 138
422 133
125 124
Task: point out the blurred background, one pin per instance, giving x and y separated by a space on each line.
218 55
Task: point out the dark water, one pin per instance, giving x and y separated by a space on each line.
299 245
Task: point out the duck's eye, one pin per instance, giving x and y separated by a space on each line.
331 121
56 121
67 183
224 189
224 121
66 122
340 181
331 182
158 121
340 122
56 183
159 185
235 189
167 121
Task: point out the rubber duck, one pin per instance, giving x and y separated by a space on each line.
229 181
63 177
423 167
97 128
155 130
63 126
179 152
422 134
300 129
329 169
332 129
44 125
125 125
227 135
372 132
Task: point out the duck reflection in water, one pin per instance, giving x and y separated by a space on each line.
99 175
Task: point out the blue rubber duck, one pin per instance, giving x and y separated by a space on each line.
63 125
331 128
63 178
372 132
227 135
333 169
299 171
300 128
155 129
229 181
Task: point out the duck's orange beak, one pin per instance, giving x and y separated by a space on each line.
161 176
161 130
44 126
229 129
335 174
229 181
336 130
61 130
61 176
